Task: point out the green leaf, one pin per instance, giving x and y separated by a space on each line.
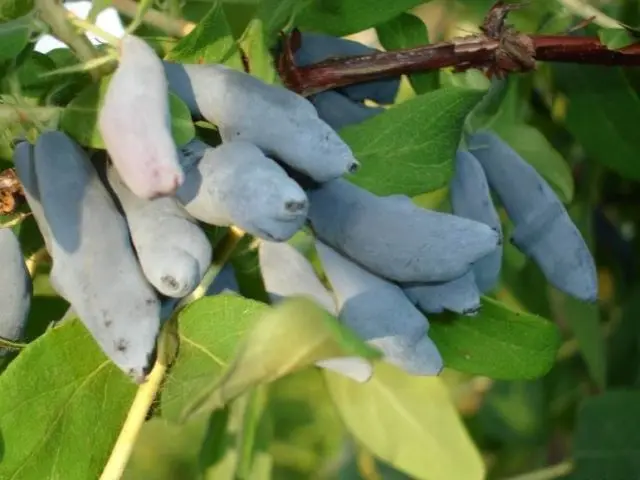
409 149
295 334
14 36
343 17
406 31
80 117
182 128
210 330
532 145
602 114
607 440
10 9
59 396
615 38
255 47
409 422
498 343
210 42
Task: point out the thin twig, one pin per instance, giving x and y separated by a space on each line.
586 11
135 419
55 15
154 18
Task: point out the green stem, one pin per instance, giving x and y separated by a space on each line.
547 473
221 257
54 14
10 113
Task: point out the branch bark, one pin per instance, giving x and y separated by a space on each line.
498 51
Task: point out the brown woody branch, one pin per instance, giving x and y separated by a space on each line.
498 51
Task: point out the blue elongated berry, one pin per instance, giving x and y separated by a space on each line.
172 249
191 153
280 122
339 111
135 122
25 168
287 273
316 47
460 295
236 184
394 238
471 198
94 266
15 288
225 282
543 229
381 314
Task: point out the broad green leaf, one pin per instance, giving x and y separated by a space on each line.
615 38
602 114
409 422
10 9
295 334
80 117
343 17
259 57
607 439
210 330
409 149
61 396
14 36
406 31
210 42
532 145
262 32
498 343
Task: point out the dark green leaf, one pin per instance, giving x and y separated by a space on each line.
60 395
14 36
10 9
295 334
210 42
409 422
498 343
602 114
607 439
409 149
406 31
343 17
